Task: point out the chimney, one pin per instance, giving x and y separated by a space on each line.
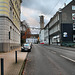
59 9
64 4
41 21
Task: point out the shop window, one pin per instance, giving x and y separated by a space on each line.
74 26
73 38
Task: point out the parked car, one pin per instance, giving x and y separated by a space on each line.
26 47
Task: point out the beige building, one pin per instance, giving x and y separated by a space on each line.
9 24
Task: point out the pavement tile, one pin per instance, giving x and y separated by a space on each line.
10 67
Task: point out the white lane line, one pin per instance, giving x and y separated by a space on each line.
67 58
53 52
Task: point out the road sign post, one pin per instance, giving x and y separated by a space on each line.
15 56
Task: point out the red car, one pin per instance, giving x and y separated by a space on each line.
42 43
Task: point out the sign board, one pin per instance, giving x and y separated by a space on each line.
65 34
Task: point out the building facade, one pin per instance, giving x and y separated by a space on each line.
54 29
42 21
9 24
46 34
41 33
23 29
41 36
62 26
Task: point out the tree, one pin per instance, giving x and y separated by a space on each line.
27 34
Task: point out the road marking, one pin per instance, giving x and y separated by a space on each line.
67 58
53 52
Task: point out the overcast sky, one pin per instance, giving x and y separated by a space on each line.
32 9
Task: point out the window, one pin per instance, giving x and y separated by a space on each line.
74 26
73 7
73 38
13 13
73 16
10 9
9 35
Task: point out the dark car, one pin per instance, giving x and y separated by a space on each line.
26 48
31 45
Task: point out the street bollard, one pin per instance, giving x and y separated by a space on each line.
15 56
2 66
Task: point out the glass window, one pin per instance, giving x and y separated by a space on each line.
73 7
73 16
73 26
73 38
9 35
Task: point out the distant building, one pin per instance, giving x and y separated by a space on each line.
41 36
9 24
23 26
33 39
62 26
41 21
34 35
46 34
23 29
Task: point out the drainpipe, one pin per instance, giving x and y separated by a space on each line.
60 22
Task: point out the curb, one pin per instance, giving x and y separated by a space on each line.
23 65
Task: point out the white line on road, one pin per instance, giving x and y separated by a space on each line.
53 52
67 58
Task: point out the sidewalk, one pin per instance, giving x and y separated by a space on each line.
10 67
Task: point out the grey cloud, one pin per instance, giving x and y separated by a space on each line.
44 6
47 7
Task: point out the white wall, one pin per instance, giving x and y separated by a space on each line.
46 37
31 40
41 36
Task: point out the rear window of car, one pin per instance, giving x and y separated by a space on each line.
26 44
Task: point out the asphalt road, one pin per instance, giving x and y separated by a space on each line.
50 60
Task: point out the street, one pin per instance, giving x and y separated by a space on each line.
50 60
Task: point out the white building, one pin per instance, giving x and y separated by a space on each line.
9 24
41 36
46 34
32 40
54 29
